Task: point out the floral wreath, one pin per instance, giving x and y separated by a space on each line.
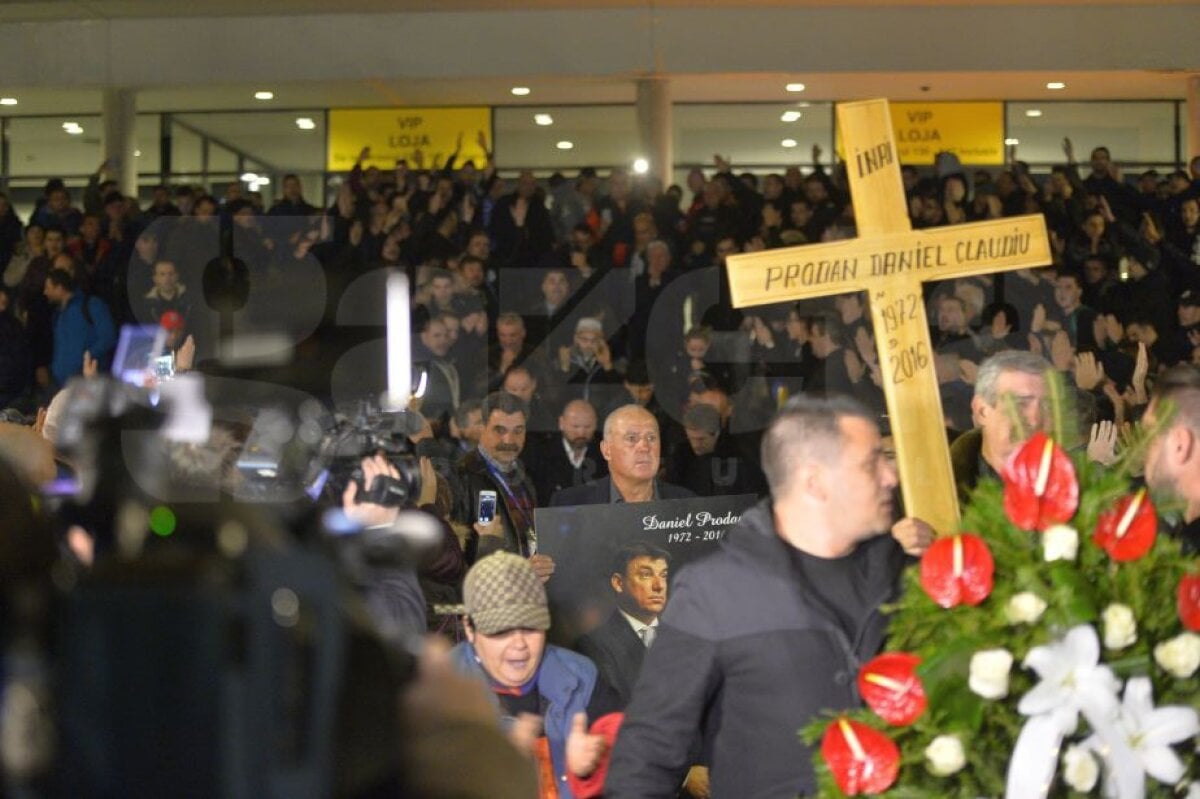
1064 574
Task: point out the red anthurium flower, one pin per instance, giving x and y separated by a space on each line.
1040 487
862 759
1127 530
890 685
1189 601
957 570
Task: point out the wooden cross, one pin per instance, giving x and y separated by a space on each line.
890 261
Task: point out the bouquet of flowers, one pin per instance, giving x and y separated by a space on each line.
1049 648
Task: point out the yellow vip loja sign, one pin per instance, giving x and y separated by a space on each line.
972 131
395 133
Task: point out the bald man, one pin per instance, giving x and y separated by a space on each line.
632 448
570 458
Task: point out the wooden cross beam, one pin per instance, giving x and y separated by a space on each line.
890 261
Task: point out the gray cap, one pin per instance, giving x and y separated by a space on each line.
502 592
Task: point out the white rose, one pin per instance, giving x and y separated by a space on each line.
1024 608
1080 769
1179 656
1060 542
989 673
1120 628
1194 791
945 755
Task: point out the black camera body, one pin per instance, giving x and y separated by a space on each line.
368 432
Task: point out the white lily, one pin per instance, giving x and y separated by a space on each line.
1073 682
1140 739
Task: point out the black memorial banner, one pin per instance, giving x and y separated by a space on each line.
584 539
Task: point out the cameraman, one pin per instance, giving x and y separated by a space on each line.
398 599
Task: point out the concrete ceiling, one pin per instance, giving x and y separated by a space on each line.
38 10
107 29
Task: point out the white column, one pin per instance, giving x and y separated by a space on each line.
654 126
118 113
1193 120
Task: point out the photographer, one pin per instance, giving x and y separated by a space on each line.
398 599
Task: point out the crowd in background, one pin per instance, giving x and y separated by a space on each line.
576 335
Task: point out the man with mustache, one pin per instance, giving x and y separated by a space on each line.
495 466
632 446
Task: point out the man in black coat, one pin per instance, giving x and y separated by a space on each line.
632 448
617 647
571 458
495 466
770 631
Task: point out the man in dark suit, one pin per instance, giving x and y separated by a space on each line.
632 448
571 458
639 583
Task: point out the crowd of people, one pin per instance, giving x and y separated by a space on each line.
578 347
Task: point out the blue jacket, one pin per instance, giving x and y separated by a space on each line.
73 336
565 681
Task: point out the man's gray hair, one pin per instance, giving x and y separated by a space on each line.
611 420
1007 361
658 244
502 402
807 429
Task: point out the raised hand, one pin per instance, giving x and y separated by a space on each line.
1102 443
584 750
1089 373
1141 367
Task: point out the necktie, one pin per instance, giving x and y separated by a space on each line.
647 634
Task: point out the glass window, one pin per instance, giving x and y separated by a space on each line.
755 137
45 147
1138 134
600 136
148 136
274 140
186 156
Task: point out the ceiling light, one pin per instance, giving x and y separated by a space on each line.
249 177
641 166
1055 84
790 116
72 128
1011 142
305 123
74 131
8 100
795 87
565 145
1033 112
264 95
788 143
520 91
137 153
543 119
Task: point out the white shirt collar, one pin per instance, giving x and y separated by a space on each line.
576 461
637 625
